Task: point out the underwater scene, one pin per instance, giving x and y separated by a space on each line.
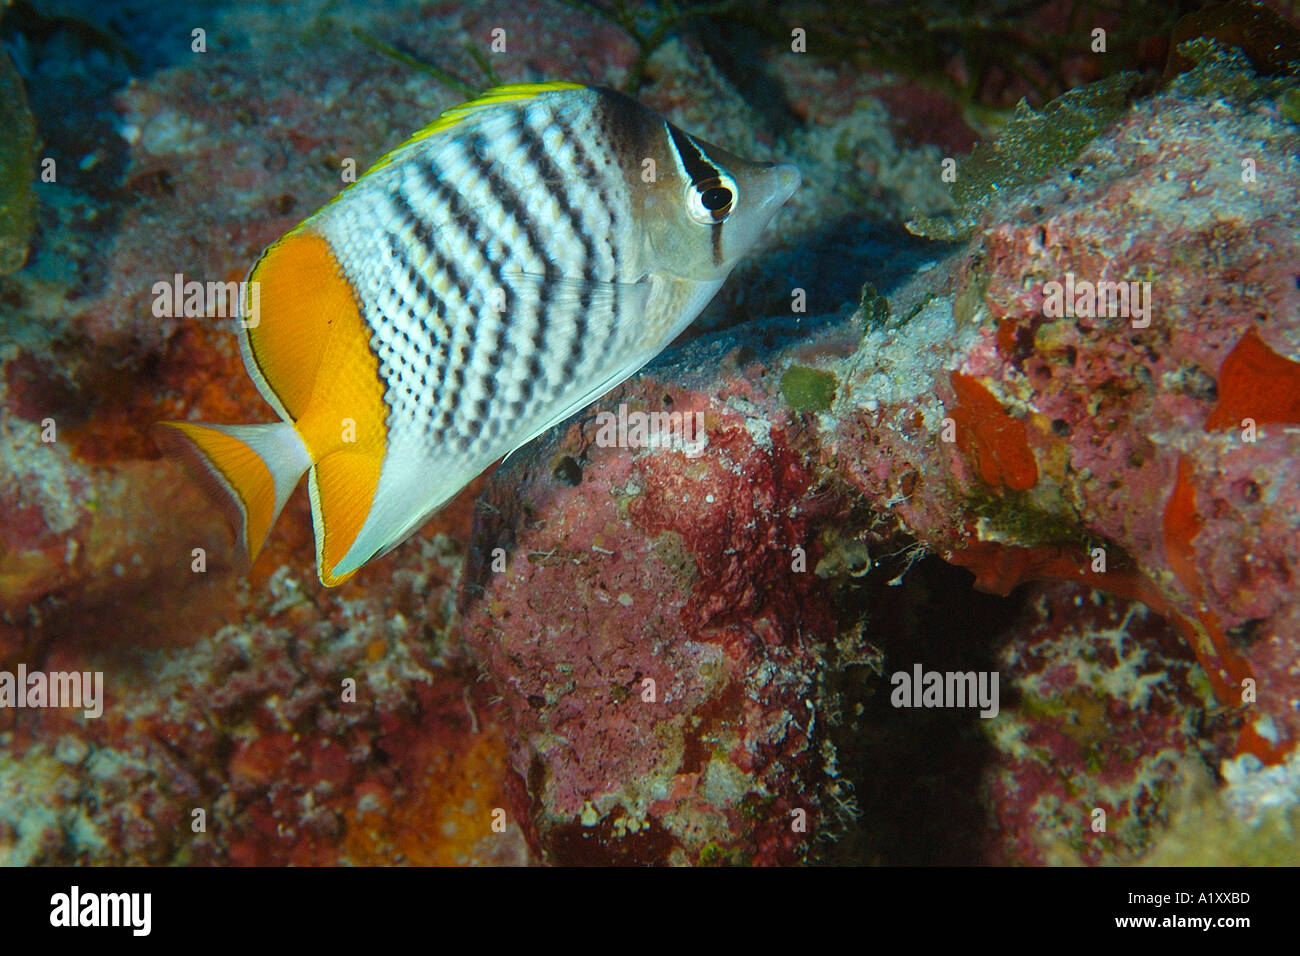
596 432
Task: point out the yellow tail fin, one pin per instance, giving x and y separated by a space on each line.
250 469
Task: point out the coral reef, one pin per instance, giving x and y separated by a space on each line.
657 657
310 733
1080 427
668 631
1084 447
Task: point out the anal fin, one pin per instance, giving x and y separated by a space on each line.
343 486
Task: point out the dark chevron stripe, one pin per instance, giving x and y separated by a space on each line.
467 223
507 196
486 357
537 155
531 141
596 184
526 349
420 228
432 345
451 380
440 264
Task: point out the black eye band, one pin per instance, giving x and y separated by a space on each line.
696 164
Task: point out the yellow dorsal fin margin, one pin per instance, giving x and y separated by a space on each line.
456 114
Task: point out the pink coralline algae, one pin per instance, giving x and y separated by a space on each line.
656 653
1133 495
985 426
1104 722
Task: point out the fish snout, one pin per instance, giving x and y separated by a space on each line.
787 179
775 183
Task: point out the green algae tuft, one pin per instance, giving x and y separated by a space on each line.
1288 105
1031 145
808 389
17 148
874 309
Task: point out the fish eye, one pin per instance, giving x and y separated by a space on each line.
711 200
715 198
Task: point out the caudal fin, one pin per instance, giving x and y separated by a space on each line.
250 469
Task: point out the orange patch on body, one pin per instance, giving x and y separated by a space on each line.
1256 382
302 297
312 346
995 443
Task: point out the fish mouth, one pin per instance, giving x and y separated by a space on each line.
788 180
777 184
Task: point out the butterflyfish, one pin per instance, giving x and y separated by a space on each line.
497 272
